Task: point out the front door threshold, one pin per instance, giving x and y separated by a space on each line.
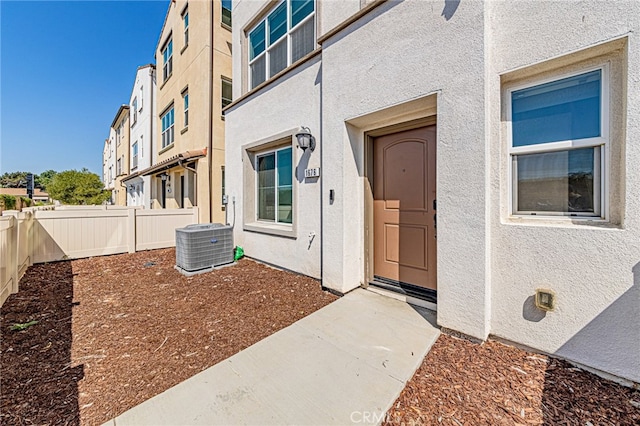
406 289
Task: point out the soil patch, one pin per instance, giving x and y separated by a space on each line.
114 331
460 382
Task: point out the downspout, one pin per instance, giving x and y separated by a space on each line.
210 145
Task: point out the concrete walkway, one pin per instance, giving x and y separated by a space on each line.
345 363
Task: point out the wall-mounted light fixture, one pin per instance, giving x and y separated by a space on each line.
164 176
305 139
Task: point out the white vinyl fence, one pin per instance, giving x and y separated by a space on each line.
73 232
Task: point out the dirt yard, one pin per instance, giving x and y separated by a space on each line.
109 332
464 383
114 331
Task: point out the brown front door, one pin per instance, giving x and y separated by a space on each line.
404 207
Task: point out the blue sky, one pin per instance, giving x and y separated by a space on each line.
65 68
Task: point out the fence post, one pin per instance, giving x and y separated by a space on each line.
29 224
195 215
131 230
13 249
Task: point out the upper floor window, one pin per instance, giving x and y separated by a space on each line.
134 110
134 156
185 25
185 101
167 59
559 135
227 92
284 36
226 12
167 127
119 167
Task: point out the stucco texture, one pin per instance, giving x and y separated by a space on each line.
460 58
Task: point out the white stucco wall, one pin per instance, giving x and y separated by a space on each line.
459 57
142 132
271 116
110 162
360 77
594 270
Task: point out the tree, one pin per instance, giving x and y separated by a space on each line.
14 180
19 179
45 178
77 187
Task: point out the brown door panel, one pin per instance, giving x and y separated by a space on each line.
404 207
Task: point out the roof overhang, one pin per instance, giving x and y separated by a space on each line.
122 108
171 162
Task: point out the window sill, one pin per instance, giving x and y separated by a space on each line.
561 222
271 229
165 81
184 48
225 26
166 148
184 130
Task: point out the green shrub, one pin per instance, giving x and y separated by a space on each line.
26 201
8 201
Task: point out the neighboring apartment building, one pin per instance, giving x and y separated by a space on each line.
142 119
467 154
109 163
193 59
120 125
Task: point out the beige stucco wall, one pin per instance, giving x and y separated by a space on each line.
455 62
192 71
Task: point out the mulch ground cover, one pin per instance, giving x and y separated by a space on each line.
465 383
108 333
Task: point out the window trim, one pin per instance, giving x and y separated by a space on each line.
249 189
224 24
168 109
601 155
134 108
264 16
264 153
134 155
166 74
185 27
185 108
224 80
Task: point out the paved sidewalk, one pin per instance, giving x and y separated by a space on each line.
345 363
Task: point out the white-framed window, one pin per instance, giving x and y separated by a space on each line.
134 157
185 25
134 109
185 103
274 183
119 167
285 35
167 127
227 91
559 137
141 97
167 59
226 12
